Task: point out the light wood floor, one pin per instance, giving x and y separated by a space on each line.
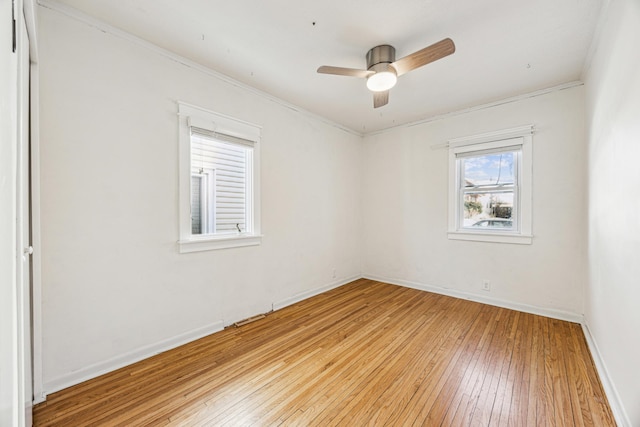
366 353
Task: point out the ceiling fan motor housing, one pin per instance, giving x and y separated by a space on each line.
383 54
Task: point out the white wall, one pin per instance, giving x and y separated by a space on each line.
405 205
113 281
613 111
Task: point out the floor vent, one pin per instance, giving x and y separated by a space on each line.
249 320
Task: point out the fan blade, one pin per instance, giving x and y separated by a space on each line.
340 71
380 98
424 56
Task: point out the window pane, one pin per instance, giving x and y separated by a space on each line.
488 169
227 195
489 210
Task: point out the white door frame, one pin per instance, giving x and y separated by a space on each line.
16 396
39 395
24 249
9 386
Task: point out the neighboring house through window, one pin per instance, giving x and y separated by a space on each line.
490 187
219 188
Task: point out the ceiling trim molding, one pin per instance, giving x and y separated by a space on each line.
117 32
114 31
479 107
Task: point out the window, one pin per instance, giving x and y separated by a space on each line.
219 187
490 187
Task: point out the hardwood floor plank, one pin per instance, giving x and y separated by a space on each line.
517 413
430 378
349 386
485 403
243 401
590 384
393 358
542 393
568 353
470 390
238 396
502 405
403 388
394 371
354 336
366 353
446 398
561 404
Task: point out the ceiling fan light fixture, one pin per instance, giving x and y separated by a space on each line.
382 80
383 70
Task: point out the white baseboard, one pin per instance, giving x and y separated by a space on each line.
620 415
622 419
118 362
526 308
123 360
142 353
313 292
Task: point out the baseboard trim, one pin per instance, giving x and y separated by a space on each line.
526 308
126 359
313 292
622 419
142 353
101 368
619 413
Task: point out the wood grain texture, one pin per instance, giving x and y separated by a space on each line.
342 71
424 56
380 99
366 353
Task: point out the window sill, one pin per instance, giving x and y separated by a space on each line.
208 243
518 239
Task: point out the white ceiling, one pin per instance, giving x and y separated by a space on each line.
503 48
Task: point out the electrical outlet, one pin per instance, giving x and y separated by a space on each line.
334 273
486 285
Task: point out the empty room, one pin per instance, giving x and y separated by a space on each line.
308 213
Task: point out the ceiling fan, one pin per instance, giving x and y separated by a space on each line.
383 70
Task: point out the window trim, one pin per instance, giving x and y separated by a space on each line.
520 136
191 116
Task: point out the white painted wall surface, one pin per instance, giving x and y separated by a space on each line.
113 281
405 209
114 284
613 291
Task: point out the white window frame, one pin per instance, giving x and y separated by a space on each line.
520 138
207 193
192 116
